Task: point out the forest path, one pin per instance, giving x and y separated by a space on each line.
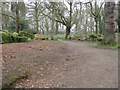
63 64
91 67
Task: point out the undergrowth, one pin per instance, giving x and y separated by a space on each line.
14 80
99 45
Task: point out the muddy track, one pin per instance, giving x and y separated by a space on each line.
65 64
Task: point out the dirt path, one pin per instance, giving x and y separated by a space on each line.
63 64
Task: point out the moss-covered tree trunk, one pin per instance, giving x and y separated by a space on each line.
109 34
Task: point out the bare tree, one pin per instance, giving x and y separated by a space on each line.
63 15
95 12
34 9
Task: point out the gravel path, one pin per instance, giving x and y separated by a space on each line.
63 64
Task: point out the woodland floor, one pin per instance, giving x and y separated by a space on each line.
60 64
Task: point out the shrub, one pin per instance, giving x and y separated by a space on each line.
44 38
29 39
81 37
99 35
78 37
96 37
23 39
93 36
20 39
100 39
15 34
6 37
6 31
14 37
118 46
26 34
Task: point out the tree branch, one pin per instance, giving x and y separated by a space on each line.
7 15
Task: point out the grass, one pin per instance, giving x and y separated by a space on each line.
99 45
59 36
55 37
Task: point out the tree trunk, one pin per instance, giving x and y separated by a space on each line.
76 29
46 25
36 17
1 20
109 34
96 25
17 20
37 26
96 22
56 28
119 22
53 22
101 23
119 17
86 21
68 24
67 31
80 23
